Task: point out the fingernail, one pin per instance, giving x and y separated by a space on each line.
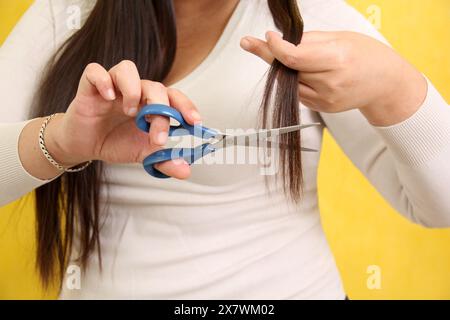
161 138
245 44
132 112
268 35
179 161
111 94
196 116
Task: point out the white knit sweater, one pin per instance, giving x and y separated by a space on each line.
221 234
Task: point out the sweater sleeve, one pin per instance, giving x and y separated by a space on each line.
15 180
408 163
23 57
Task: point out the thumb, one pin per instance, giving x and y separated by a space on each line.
257 47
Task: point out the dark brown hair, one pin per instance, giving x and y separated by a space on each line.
70 204
281 101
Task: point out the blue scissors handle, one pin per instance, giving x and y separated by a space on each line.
189 154
183 129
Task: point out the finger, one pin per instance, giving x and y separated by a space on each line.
307 92
96 79
308 57
258 48
183 104
309 77
310 104
177 168
156 93
316 80
127 80
159 130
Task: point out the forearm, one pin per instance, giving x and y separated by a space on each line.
24 166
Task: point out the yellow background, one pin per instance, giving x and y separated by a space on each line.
362 229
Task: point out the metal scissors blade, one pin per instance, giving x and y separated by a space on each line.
266 143
260 138
267 133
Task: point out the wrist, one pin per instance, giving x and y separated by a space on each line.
407 93
54 145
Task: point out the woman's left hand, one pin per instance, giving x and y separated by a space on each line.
339 71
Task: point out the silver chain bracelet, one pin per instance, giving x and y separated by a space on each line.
47 154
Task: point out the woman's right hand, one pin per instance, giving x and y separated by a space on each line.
99 123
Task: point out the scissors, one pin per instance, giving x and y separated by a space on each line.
216 139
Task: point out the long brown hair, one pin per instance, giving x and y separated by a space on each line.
70 203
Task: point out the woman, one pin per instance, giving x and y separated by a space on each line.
221 233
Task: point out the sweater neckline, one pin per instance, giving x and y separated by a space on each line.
218 48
